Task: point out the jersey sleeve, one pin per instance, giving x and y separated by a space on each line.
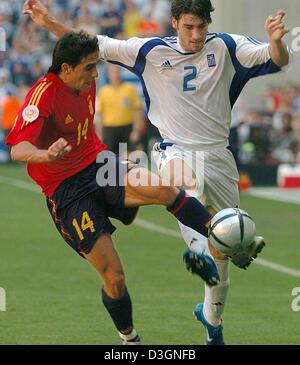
32 115
249 57
253 57
251 52
124 53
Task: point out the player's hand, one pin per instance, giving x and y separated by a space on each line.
58 149
37 11
275 26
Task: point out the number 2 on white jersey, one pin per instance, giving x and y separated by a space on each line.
191 75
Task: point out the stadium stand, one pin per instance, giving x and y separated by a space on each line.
263 138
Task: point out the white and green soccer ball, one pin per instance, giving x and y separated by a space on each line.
231 231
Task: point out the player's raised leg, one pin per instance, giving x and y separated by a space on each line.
178 173
186 209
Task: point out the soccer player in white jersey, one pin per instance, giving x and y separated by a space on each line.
191 83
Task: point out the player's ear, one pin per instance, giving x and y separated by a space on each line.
174 23
66 69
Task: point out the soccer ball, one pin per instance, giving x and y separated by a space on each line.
231 231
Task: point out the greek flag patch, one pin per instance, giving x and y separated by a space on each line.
211 60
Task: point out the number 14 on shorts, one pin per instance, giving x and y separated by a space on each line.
86 223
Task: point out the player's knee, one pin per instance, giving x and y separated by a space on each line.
115 283
166 194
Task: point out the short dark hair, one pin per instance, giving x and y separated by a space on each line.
200 8
71 49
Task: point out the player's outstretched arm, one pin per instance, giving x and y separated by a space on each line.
277 30
28 153
40 15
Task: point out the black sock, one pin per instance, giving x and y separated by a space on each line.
191 213
120 310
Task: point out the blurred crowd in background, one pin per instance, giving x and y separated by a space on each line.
268 135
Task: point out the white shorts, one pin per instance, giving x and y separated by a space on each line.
216 172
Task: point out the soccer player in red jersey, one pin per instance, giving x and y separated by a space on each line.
54 135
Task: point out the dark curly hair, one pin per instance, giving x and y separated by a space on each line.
201 8
71 49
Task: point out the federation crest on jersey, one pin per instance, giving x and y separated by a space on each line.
211 60
30 113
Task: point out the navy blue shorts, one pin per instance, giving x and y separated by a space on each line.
80 208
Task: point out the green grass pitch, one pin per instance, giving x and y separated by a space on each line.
53 296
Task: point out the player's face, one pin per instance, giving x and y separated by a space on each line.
83 75
191 31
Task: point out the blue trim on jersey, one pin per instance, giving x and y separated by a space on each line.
213 33
254 41
210 39
163 145
133 70
244 74
170 39
140 63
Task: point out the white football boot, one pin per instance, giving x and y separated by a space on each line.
244 259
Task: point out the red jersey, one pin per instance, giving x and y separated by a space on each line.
53 110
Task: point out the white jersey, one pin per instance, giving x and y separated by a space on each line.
189 96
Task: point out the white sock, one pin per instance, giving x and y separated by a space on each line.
215 296
130 336
195 241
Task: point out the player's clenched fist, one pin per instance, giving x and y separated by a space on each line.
58 149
